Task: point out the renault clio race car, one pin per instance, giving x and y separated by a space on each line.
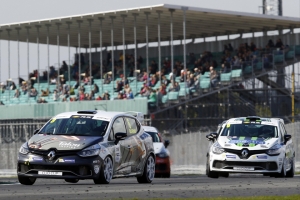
251 145
163 164
94 145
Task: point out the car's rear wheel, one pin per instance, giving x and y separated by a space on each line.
106 172
26 180
71 180
149 171
209 173
291 172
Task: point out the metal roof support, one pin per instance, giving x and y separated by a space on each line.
90 47
18 47
172 47
159 48
48 56
101 56
0 57
135 53
38 55
79 53
112 53
69 55
8 52
147 45
58 53
184 9
123 38
27 40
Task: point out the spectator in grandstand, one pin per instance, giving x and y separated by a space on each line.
45 93
163 89
119 97
81 95
53 80
153 81
52 72
98 98
41 100
17 93
63 68
85 79
144 77
106 96
55 95
129 94
107 77
270 44
164 80
152 97
33 92
252 47
214 78
192 59
119 86
167 65
127 88
96 88
154 67
24 87
140 60
197 72
190 81
236 62
175 87
183 75
76 85
145 91
279 44
74 70
224 69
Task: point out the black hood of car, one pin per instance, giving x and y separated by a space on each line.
62 142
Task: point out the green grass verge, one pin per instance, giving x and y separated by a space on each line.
292 197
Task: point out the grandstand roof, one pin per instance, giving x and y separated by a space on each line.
201 22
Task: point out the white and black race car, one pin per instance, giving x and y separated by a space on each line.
251 145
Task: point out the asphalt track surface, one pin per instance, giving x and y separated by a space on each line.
174 187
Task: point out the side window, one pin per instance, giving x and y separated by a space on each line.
284 130
281 131
119 126
111 136
131 125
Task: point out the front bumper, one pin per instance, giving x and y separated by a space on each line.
71 166
258 163
162 165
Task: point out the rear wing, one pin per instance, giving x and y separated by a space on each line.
138 115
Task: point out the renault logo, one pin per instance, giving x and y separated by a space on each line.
245 153
51 155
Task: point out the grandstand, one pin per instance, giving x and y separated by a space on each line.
253 68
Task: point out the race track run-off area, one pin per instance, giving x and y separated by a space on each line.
175 187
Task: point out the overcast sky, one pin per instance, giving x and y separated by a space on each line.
26 10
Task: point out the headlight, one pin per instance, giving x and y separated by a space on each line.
217 149
274 150
162 154
90 151
24 149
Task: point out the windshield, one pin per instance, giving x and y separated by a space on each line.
76 125
154 136
250 130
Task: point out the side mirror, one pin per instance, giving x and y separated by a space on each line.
287 138
120 136
36 131
166 143
212 136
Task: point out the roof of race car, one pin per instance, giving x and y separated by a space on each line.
150 129
269 121
99 114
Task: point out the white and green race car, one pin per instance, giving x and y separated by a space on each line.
251 145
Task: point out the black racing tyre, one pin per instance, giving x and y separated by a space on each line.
224 174
106 172
26 180
166 175
291 172
149 171
209 173
71 180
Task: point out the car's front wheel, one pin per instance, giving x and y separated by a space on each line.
149 171
26 180
291 172
209 173
106 172
282 174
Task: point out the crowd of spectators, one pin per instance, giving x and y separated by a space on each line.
166 78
